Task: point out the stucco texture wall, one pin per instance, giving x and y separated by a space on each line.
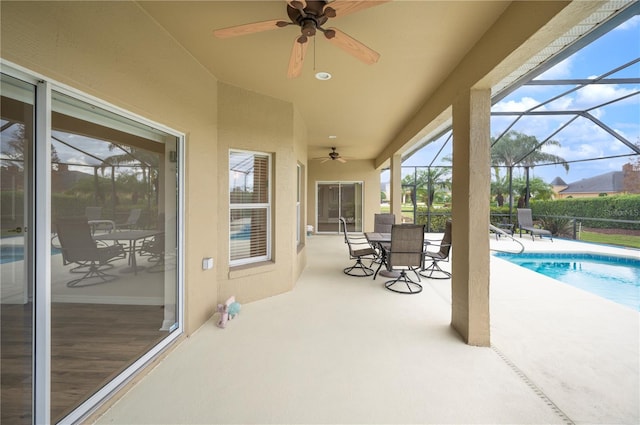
253 122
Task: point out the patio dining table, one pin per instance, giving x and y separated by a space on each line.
133 236
377 239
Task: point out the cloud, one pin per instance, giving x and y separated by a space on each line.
597 94
562 104
575 152
629 24
521 105
558 71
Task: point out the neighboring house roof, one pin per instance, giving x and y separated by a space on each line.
608 182
558 182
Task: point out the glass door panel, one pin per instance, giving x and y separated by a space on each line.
328 207
351 205
114 285
339 199
16 259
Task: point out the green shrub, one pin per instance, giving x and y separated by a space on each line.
434 219
558 226
618 207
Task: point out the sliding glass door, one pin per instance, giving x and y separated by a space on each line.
90 286
335 200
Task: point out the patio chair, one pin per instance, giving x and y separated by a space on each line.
433 270
405 253
79 247
359 249
154 248
382 222
97 223
93 213
132 220
525 222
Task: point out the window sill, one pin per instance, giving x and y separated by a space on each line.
251 269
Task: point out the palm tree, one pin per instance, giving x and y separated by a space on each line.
428 181
514 148
499 187
538 189
148 162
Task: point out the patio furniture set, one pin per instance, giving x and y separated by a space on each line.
93 244
399 248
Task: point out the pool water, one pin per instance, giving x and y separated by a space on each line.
614 278
11 253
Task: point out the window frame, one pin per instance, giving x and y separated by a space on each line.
267 206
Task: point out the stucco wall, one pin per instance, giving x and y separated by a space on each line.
115 52
253 122
300 149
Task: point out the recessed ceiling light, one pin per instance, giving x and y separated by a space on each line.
333 137
323 76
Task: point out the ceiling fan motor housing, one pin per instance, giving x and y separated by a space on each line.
310 18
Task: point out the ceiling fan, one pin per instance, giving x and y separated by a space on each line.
333 156
310 16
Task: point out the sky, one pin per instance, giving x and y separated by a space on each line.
582 138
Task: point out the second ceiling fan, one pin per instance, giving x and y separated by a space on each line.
310 16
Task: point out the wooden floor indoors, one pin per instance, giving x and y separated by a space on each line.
90 344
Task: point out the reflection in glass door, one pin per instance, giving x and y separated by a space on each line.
114 189
16 248
89 279
335 200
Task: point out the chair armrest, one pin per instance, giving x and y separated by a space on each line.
359 242
99 223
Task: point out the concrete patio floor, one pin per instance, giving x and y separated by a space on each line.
340 349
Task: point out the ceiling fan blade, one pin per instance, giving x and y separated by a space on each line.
346 7
341 160
249 28
297 58
324 160
352 46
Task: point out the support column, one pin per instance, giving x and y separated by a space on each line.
396 187
470 214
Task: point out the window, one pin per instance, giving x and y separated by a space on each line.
249 207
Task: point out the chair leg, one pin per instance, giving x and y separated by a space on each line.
412 287
434 267
158 266
364 271
83 268
94 272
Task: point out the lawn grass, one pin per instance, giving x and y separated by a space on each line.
624 240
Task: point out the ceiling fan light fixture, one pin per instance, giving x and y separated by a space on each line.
323 76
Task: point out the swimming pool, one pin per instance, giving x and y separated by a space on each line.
610 277
10 253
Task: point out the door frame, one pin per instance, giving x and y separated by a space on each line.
38 221
339 183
